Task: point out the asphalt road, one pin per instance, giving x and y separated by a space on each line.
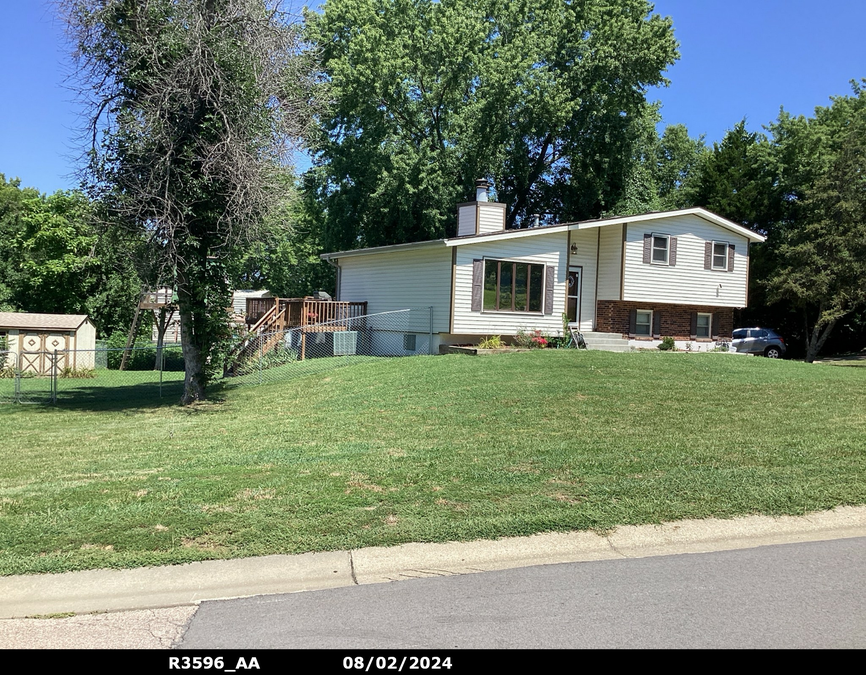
809 595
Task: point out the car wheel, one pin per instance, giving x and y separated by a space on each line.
772 353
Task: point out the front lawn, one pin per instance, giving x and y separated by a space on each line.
428 449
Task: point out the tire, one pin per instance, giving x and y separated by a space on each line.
773 353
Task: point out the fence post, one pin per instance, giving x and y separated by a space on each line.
261 355
17 374
54 379
161 360
430 335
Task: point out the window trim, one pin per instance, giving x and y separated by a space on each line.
667 238
709 334
530 264
713 254
649 325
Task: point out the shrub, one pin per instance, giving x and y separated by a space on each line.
492 342
530 339
77 373
668 344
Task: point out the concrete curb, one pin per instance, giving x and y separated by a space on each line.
170 586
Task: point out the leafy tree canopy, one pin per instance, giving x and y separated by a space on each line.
195 104
821 251
53 260
546 98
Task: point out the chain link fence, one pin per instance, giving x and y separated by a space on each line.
151 375
292 352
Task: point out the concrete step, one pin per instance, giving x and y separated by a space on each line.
606 342
609 336
608 348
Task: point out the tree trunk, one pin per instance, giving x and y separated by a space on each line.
162 320
817 339
192 312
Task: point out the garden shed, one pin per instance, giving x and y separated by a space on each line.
29 341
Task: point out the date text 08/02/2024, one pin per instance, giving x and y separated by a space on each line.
357 663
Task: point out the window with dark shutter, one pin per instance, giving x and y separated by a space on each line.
647 248
657 325
702 325
730 257
720 255
509 286
708 255
672 259
643 323
693 330
632 322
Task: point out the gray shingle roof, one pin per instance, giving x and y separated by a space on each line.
25 321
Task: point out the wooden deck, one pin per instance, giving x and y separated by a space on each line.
269 318
267 315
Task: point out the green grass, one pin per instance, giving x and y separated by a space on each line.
427 449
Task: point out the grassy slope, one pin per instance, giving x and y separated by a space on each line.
429 449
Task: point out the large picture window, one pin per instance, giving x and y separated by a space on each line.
513 286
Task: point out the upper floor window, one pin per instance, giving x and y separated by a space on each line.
661 249
720 255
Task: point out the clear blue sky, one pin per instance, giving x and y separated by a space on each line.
739 58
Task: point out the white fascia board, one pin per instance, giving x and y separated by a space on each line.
697 211
508 234
384 249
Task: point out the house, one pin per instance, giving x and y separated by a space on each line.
633 278
32 339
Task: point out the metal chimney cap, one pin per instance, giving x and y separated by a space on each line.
481 186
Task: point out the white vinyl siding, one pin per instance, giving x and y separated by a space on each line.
609 262
587 258
542 249
466 220
400 280
686 283
491 217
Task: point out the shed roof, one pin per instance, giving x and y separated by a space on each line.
26 321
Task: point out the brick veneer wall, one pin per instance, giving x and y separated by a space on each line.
676 320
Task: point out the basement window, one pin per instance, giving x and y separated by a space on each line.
643 322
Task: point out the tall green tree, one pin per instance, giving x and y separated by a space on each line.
543 97
737 180
54 260
195 104
821 251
